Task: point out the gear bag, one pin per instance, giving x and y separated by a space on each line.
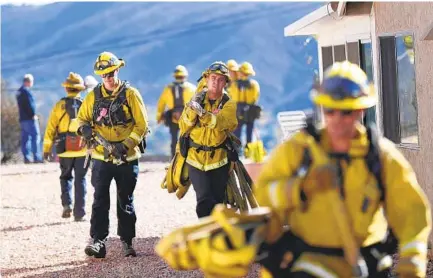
69 141
109 112
244 111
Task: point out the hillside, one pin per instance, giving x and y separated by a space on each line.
51 40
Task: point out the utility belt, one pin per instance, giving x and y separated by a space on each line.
185 143
248 112
211 149
274 256
68 142
175 113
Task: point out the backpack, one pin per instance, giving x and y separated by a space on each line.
177 93
69 141
373 163
118 102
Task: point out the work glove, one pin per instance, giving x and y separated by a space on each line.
86 132
120 150
208 119
196 107
411 266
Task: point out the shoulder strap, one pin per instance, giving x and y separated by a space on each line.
122 95
311 128
61 118
223 101
65 99
97 91
177 100
372 158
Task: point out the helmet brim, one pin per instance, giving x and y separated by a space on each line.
73 86
110 69
327 101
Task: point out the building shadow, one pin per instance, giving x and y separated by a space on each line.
28 227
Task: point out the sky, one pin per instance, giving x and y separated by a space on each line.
43 2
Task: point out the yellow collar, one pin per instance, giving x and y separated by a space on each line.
358 145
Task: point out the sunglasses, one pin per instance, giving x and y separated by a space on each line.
341 88
219 67
328 111
105 75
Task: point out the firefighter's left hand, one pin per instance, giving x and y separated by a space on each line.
411 266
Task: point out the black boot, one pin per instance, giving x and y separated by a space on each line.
96 249
128 250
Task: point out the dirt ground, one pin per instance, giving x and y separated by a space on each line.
37 242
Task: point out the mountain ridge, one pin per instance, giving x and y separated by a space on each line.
51 40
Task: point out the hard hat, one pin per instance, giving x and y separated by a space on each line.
29 77
232 65
74 81
408 41
180 71
345 86
107 62
247 69
90 81
219 68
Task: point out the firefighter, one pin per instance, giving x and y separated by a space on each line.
233 67
246 95
205 123
115 111
348 197
61 131
174 96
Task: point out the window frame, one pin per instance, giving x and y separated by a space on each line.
411 146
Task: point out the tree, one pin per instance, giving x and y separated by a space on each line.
10 126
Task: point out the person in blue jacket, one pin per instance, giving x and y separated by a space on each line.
30 133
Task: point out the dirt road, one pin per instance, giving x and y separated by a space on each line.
37 242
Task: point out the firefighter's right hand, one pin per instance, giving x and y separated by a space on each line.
119 150
86 132
196 107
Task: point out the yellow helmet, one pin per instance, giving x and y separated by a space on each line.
74 81
232 65
247 69
345 86
408 41
180 71
219 68
107 62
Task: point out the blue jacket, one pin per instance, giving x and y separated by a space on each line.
26 104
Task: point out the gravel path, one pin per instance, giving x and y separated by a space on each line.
37 242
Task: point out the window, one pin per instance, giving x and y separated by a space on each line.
358 52
400 111
367 65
